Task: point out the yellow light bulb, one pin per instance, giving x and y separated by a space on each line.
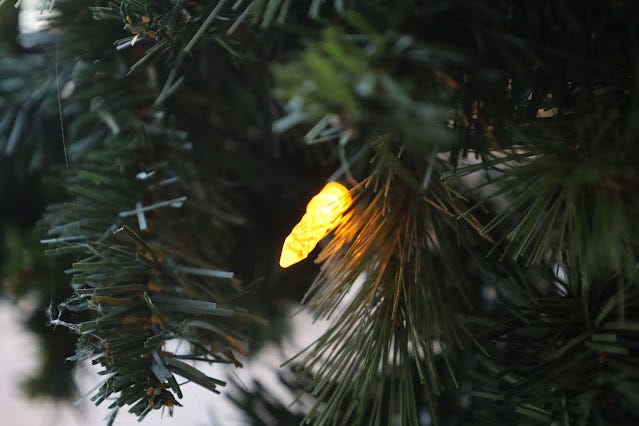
323 214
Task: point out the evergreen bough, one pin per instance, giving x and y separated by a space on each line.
486 271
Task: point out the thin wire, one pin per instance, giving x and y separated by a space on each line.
57 85
51 310
62 132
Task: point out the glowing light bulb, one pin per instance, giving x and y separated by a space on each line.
323 214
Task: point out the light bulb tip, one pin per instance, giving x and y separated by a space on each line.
287 259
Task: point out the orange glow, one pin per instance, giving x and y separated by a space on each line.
323 214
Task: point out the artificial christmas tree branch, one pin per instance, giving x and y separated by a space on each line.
143 290
137 284
389 256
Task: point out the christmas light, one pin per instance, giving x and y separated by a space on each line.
323 214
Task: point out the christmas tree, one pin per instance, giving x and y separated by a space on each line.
453 184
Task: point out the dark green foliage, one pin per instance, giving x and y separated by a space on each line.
262 407
8 27
562 174
28 101
564 358
497 292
